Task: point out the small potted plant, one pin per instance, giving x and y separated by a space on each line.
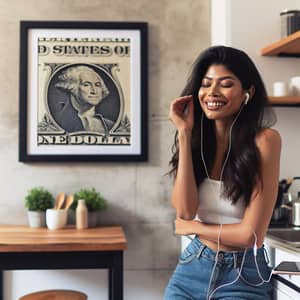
94 201
37 201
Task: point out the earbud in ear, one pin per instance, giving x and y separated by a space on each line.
247 98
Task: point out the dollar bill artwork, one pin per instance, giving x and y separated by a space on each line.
83 91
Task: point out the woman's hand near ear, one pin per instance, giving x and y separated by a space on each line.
182 113
185 192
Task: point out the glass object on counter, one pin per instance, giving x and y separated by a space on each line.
294 188
287 199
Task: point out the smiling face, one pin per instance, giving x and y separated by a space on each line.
221 93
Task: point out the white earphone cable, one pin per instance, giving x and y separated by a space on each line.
229 147
216 259
220 229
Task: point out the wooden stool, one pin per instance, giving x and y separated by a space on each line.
55 295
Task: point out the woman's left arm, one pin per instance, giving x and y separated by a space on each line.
258 213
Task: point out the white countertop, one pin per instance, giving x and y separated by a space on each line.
272 242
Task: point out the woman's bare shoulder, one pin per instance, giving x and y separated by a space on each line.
268 140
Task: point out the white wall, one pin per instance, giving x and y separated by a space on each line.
250 26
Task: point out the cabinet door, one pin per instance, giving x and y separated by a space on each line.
283 292
280 295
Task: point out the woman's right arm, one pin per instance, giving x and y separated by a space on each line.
185 193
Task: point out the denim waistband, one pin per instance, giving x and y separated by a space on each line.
227 257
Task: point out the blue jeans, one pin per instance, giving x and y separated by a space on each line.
191 278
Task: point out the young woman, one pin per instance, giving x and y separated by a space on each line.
226 168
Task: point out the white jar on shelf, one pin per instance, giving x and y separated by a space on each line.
295 86
280 89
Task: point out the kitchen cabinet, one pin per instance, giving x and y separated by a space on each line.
285 287
286 47
283 292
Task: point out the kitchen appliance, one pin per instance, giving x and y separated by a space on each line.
296 214
287 206
281 212
294 187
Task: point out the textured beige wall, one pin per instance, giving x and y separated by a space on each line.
138 193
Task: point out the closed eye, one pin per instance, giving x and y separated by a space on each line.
223 83
226 85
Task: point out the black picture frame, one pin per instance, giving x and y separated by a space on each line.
83 91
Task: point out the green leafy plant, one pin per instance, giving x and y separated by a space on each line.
93 200
39 199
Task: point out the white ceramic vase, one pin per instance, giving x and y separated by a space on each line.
92 218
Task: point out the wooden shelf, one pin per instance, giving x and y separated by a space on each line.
285 101
289 46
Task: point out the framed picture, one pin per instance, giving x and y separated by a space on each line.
83 91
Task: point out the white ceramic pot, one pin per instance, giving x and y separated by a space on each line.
36 218
56 218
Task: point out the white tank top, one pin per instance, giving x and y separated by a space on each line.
216 209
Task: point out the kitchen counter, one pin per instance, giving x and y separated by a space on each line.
275 243
284 251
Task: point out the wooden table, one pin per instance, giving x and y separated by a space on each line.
25 248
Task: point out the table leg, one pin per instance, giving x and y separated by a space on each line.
116 277
1 285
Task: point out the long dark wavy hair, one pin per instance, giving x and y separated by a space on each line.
243 167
